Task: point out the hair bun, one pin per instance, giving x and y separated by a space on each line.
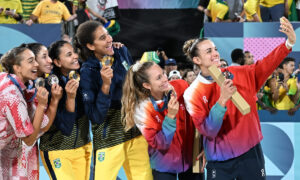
187 47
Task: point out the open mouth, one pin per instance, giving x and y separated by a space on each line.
34 71
75 62
109 48
216 60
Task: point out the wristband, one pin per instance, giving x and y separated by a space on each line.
287 43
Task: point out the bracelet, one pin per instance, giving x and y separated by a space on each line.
287 43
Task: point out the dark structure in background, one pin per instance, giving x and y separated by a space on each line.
148 29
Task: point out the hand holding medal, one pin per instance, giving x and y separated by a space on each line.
173 105
74 75
107 61
40 82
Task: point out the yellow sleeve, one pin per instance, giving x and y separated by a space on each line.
209 5
37 11
19 9
222 10
66 13
292 84
281 91
250 7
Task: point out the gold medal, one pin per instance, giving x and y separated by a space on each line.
52 79
74 75
39 82
107 60
170 92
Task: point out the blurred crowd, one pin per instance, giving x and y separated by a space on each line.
249 10
71 13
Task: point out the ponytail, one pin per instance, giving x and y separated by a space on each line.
134 92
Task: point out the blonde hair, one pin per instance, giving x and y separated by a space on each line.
134 93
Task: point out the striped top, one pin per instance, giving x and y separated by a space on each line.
28 7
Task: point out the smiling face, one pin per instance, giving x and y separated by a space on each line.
68 59
44 61
223 64
207 56
27 70
102 44
289 67
158 82
248 58
190 77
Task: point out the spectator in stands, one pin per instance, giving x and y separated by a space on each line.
201 7
296 74
217 10
252 11
237 57
271 10
109 10
224 63
22 116
170 65
235 12
102 77
173 75
264 97
50 12
286 87
156 107
189 76
162 57
196 69
28 7
81 9
248 58
291 10
231 138
10 11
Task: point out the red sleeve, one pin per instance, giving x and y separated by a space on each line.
265 67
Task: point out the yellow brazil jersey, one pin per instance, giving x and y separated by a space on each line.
218 9
271 3
51 13
285 103
12 5
252 7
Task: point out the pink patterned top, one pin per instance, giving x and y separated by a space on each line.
17 160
